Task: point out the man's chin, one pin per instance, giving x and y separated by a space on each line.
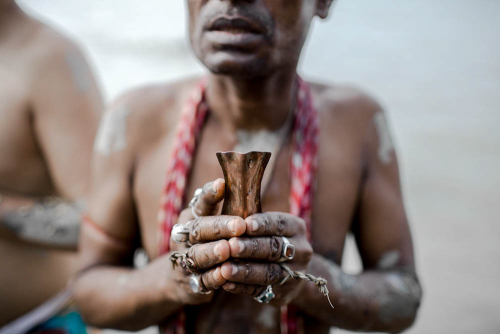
240 66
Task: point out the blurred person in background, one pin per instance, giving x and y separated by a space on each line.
334 170
49 112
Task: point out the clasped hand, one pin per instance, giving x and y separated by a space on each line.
237 255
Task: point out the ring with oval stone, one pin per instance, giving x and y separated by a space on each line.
287 251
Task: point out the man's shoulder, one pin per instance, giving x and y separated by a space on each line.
148 102
151 110
49 49
344 101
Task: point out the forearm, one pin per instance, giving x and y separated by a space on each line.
385 300
46 221
127 299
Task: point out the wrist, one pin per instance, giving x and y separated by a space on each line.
163 287
310 294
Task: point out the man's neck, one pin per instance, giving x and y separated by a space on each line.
257 104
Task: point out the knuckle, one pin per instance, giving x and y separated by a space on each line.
215 226
308 253
196 229
275 248
254 247
268 228
262 222
248 271
280 225
273 273
301 225
192 254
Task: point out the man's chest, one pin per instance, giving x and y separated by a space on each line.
335 195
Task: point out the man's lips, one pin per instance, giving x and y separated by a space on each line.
235 25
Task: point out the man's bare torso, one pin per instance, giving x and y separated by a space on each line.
344 116
30 274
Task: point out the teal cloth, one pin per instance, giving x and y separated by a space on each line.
66 323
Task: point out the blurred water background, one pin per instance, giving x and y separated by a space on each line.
434 65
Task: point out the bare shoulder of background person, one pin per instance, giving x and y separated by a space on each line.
52 53
65 101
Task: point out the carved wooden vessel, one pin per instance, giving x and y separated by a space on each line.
243 174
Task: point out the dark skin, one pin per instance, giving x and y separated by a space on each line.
251 87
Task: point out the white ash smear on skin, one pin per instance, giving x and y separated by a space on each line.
398 296
386 146
256 141
401 298
402 292
79 71
389 260
112 134
264 140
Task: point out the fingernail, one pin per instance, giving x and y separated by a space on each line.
241 246
215 186
216 274
230 286
217 250
234 269
231 225
255 226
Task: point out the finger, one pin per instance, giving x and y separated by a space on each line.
212 279
204 229
243 289
274 223
259 248
185 216
252 273
212 194
208 255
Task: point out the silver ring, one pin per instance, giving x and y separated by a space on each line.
180 233
197 194
265 296
195 284
287 250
